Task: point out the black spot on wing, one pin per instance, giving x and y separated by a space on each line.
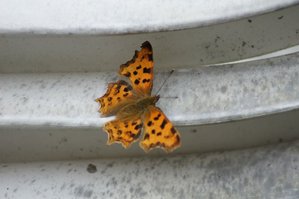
146 80
158 116
163 124
146 70
146 136
149 123
173 131
136 82
137 127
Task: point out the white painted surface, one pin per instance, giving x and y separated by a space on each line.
21 144
33 102
219 43
110 17
52 116
268 172
218 93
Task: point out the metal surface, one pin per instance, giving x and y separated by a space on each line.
268 172
200 96
132 16
45 144
231 41
54 116
56 57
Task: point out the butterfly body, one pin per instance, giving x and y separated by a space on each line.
135 108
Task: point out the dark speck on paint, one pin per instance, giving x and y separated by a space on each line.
91 168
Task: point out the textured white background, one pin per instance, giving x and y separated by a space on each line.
117 16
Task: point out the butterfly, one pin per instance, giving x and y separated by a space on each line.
135 108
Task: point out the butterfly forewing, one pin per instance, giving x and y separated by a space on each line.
117 95
140 69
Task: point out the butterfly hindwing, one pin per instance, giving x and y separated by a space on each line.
116 97
159 131
140 69
123 131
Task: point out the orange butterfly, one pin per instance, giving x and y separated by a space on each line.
135 107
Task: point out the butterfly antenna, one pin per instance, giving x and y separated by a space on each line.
170 73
